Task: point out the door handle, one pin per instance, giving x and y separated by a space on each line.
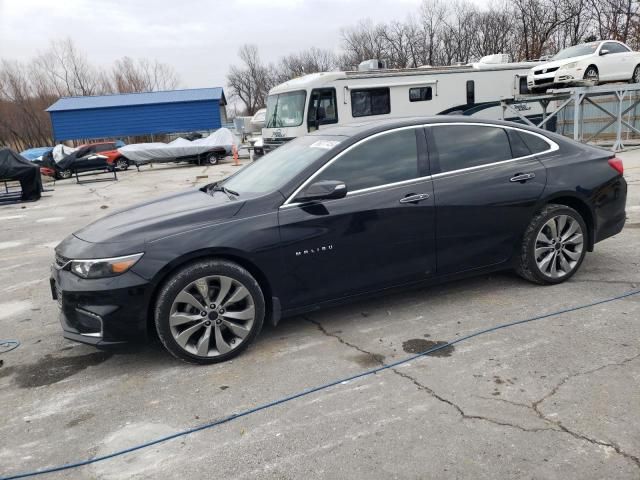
522 177
415 198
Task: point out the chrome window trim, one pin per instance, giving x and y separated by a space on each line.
288 201
553 146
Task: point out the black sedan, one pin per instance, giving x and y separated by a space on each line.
338 214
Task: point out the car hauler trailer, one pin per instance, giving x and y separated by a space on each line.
313 101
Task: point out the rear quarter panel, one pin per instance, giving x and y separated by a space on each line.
582 172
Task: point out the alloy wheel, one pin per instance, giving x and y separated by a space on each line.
212 316
592 75
559 246
636 75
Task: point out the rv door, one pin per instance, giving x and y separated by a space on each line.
322 108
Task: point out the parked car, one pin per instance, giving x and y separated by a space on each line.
109 150
340 213
35 154
594 62
89 156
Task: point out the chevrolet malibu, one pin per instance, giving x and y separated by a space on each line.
339 214
595 62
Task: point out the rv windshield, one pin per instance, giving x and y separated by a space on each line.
285 109
576 51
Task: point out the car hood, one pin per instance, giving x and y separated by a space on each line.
560 63
161 217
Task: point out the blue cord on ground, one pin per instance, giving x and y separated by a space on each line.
6 345
308 391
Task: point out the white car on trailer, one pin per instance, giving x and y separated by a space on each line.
593 62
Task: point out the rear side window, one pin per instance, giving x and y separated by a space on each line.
104 147
518 147
388 158
464 146
534 143
372 101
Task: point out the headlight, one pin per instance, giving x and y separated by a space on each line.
570 65
104 267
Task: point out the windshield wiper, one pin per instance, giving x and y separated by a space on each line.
232 194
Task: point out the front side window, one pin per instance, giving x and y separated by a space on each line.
420 94
370 101
285 109
464 146
277 168
383 159
322 108
614 47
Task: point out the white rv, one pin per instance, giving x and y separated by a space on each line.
318 100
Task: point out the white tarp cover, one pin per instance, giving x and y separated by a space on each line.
180 147
60 151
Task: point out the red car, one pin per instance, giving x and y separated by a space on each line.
109 150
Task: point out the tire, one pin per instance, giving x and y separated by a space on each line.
212 159
591 74
64 174
217 332
122 164
567 249
635 78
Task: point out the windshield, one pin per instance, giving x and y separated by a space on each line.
285 109
577 51
276 169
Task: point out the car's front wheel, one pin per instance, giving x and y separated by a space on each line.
209 311
553 245
635 78
591 74
64 174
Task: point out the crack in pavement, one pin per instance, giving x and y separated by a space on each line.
557 425
425 388
535 407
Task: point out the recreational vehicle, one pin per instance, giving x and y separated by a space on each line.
313 101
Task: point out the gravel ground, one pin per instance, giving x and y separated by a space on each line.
552 399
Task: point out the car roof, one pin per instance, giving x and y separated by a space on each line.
373 126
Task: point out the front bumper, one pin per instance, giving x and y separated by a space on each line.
561 77
102 312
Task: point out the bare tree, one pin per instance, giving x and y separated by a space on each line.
128 75
250 83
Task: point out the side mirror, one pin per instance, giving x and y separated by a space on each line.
323 190
604 51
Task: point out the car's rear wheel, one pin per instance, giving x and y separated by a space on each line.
635 78
209 311
553 245
213 158
591 74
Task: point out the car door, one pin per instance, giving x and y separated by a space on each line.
612 65
486 184
381 234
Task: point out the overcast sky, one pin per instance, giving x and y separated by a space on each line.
199 38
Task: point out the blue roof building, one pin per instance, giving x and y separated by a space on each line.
120 115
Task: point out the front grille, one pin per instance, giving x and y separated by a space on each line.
545 70
273 143
543 81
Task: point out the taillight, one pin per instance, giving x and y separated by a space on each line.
616 164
